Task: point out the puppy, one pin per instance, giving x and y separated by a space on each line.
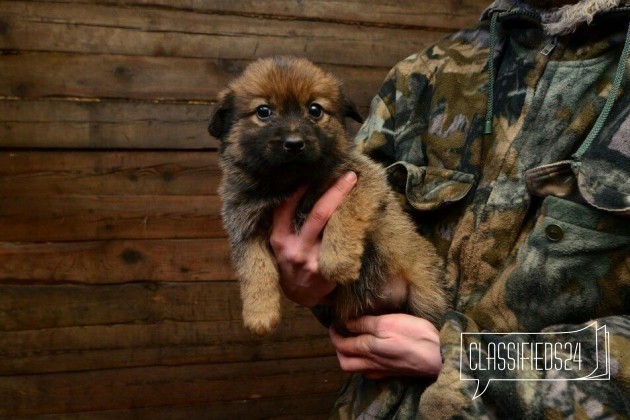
281 126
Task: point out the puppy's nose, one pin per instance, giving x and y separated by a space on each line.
293 144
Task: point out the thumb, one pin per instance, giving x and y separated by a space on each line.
365 325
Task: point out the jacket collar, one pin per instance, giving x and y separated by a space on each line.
561 20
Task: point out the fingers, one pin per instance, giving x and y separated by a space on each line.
297 253
365 325
325 207
389 345
382 326
360 364
360 345
283 217
284 214
355 355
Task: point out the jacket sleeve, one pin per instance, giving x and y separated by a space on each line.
543 381
399 115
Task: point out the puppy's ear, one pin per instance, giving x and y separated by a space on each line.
349 109
222 116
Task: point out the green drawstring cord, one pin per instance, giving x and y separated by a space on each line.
610 101
493 46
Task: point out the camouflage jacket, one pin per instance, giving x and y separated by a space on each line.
535 238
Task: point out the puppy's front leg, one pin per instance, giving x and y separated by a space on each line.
343 241
260 289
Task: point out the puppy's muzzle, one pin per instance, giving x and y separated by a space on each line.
293 144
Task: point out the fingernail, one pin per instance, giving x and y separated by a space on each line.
351 177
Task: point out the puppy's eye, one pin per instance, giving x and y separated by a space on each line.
263 112
315 110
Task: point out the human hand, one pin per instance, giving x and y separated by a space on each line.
297 252
389 345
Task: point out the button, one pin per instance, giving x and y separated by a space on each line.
554 233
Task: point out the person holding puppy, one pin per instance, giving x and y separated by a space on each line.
509 144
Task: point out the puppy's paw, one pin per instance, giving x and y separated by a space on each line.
338 268
260 322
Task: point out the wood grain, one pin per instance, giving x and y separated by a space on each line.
163 386
33 75
114 262
96 29
104 125
437 14
165 343
308 407
88 218
40 307
45 173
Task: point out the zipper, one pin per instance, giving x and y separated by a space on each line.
550 47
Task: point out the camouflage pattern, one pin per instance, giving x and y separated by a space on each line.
533 241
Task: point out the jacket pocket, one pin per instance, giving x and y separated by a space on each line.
574 266
428 188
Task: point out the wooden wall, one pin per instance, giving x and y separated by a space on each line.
116 296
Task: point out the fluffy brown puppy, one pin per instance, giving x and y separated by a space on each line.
281 125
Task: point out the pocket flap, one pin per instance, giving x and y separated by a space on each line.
428 188
605 186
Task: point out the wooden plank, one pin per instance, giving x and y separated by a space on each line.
117 389
36 307
41 75
44 173
86 218
303 407
112 262
165 344
96 29
439 14
108 124
31 75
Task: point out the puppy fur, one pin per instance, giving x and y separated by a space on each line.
274 139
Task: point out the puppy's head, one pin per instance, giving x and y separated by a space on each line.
282 113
